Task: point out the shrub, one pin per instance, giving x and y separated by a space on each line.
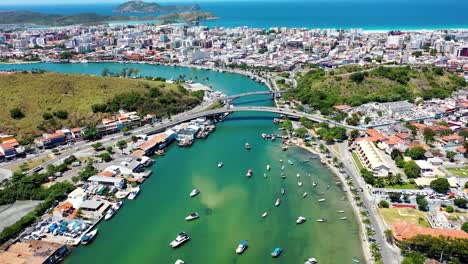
440 185
16 113
47 116
62 114
449 209
384 204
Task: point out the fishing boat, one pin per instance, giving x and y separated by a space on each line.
283 191
180 239
264 214
134 193
276 252
343 218
304 195
299 183
86 239
268 167
179 262
278 201
314 184
241 247
311 261
290 162
321 220
340 212
249 173
194 192
109 214
192 216
220 164
247 146
321 200
300 220
355 260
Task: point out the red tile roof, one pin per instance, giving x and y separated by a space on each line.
402 231
375 134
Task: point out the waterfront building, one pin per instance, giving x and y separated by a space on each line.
402 231
370 157
108 181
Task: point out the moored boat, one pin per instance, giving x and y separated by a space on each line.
109 214
86 239
192 216
298 175
220 164
299 183
321 220
134 193
268 167
247 146
300 220
283 191
355 260
278 201
311 261
276 252
304 195
284 148
241 247
180 239
249 173
321 200
340 212
179 262
290 162
314 184
194 192
264 214
343 218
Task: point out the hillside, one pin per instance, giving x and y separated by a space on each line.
144 7
41 95
323 90
188 16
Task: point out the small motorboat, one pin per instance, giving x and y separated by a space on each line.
290 162
283 191
321 220
311 261
355 260
282 167
321 200
343 218
283 176
247 146
328 187
264 175
109 214
299 183
192 216
278 201
268 167
86 239
180 239
281 161
194 192
179 262
340 212
220 165
249 173
273 138
118 205
314 184
276 252
304 195
284 148
298 175
264 214
241 247
300 220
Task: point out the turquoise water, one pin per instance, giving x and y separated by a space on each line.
229 204
367 14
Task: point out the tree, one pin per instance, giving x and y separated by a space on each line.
450 155
440 185
416 153
47 116
464 227
105 72
449 209
422 202
97 146
368 176
91 134
358 77
379 183
412 169
429 135
121 144
105 156
460 202
384 204
464 134
62 114
395 197
354 134
367 119
414 258
395 153
16 113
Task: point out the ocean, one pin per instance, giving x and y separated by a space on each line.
344 14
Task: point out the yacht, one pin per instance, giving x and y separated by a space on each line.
179 262
283 191
311 261
89 237
278 201
180 239
264 214
242 246
299 183
192 216
321 220
134 193
300 220
276 252
247 146
304 195
249 173
194 192
118 205
109 214
220 165
268 167
321 200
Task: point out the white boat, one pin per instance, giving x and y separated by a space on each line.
249 173
304 195
300 220
299 183
194 192
343 218
314 184
117 205
264 175
321 200
321 220
268 167
264 214
278 201
241 247
340 212
134 193
109 214
290 162
180 239
298 175
273 138
89 237
311 261
283 191
179 262
247 146
220 165
281 160
192 216
282 167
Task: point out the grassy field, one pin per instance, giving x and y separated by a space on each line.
461 172
36 94
405 185
357 160
414 216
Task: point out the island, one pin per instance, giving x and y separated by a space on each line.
138 6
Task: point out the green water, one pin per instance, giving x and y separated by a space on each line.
229 204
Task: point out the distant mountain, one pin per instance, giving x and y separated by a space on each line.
138 6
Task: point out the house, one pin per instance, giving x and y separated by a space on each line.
427 170
91 205
33 251
108 181
402 231
158 141
7 151
52 140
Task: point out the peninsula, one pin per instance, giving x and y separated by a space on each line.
138 6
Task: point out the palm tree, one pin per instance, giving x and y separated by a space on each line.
379 183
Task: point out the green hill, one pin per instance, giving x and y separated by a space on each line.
323 90
43 97
138 6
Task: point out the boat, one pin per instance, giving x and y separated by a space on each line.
264 175
281 161
179 262
311 261
241 247
194 192
89 237
283 176
220 165
264 214
273 138
247 146
299 183
118 205
300 220
276 252
180 239
278 201
328 187
321 200
282 167
321 220
134 193
355 260
249 173
109 214
304 195
284 148
268 167
298 175
340 212
314 184
283 191
290 162
192 216
343 218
